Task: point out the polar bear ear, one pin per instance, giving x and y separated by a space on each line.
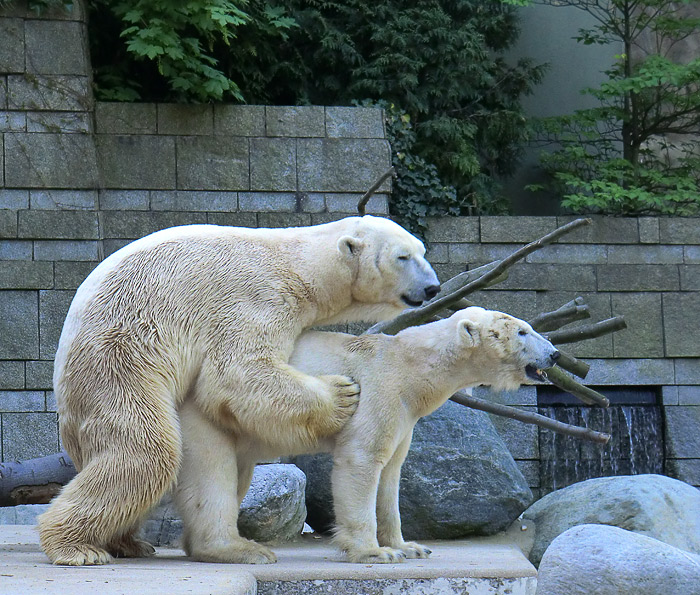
349 246
469 333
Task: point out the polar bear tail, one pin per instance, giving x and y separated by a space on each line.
97 514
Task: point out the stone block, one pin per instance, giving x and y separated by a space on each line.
273 164
15 250
354 122
14 199
284 219
60 93
603 230
8 223
63 199
689 395
321 218
687 470
681 324
636 277
521 304
267 201
29 435
525 396
648 230
437 253
453 229
67 122
20 274
69 275
55 250
690 278
569 253
125 118
193 200
212 163
520 230
53 307
50 161
521 439
296 121
531 472
378 204
478 254
239 120
57 11
677 230
21 400
681 432
63 225
691 254
342 165
12 50
551 277
39 375
669 395
653 255
66 52
3 92
643 336
311 202
19 325
630 372
11 375
124 200
136 224
185 119
51 404
137 161
13 122
687 370
111 246
443 271
233 219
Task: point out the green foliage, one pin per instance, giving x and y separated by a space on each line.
637 152
172 49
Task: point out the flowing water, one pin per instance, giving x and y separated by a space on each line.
636 445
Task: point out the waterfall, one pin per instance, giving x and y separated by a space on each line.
636 445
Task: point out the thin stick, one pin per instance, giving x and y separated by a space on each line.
372 189
419 315
529 418
568 384
587 331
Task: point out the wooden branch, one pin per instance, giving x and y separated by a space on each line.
35 481
573 365
419 315
587 331
527 417
570 312
372 189
562 380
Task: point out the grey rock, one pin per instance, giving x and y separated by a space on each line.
23 514
602 560
652 505
458 479
273 509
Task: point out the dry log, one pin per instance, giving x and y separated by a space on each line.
35 481
587 331
570 312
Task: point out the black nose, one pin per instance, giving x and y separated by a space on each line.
555 356
431 291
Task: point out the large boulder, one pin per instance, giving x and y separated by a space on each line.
272 510
604 560
653 505
458 479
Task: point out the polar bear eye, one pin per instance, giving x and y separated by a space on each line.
404 257
522 332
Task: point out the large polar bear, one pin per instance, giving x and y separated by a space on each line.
403 378
209 314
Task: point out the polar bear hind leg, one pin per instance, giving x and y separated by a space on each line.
207 494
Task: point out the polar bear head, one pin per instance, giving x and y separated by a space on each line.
389 265
505 351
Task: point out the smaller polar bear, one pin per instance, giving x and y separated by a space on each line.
402 378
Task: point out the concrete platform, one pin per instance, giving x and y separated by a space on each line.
483 566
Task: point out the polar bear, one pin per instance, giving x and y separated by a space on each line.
402 378
210 314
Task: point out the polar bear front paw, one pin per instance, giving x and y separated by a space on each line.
376 555
346 397
129 546
414 550
79 555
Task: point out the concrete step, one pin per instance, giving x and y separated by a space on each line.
483 566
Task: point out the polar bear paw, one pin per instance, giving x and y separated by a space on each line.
414 550
240 551
79 555
346 397
376 555
129 546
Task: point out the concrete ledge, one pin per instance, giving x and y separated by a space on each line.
484 566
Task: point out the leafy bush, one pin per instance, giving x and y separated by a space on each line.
638 151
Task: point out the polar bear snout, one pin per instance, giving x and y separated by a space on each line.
431 291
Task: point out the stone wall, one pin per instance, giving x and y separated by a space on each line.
80 180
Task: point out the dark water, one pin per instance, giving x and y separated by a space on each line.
636 445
